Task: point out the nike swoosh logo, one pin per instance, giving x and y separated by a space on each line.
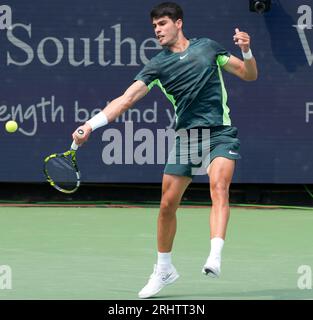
232 152
183 57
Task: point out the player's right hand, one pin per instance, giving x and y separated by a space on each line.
81 134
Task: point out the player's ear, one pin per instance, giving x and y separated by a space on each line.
179 23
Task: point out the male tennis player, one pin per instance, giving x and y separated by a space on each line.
189 72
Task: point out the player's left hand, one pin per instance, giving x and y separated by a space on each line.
242 39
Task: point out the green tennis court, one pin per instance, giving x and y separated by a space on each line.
108 253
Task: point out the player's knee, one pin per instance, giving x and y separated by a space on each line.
219 189
167 206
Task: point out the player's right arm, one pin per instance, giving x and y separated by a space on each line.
113 110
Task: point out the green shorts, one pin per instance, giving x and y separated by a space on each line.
195 149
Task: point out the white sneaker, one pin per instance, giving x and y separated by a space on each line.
157 281
212 267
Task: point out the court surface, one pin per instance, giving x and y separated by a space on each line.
108 253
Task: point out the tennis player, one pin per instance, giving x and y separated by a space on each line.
189 72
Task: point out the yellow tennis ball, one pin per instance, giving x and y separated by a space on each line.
11 126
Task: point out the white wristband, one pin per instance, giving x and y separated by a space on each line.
247 55
97 121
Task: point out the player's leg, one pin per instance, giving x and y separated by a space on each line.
173 188
221 172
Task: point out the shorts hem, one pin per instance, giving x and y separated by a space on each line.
177 174
230 157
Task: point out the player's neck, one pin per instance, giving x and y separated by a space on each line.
180 45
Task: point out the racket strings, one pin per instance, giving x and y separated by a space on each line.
62 172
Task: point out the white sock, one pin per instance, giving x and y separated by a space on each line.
164 260
216 248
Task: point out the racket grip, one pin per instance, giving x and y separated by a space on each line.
74 146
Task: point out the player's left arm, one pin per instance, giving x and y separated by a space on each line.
246 69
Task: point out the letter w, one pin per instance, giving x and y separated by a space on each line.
305 44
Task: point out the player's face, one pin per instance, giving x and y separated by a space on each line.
166 30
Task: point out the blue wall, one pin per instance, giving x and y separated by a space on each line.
49 83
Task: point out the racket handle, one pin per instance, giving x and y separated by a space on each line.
75 146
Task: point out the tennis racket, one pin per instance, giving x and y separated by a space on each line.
61 170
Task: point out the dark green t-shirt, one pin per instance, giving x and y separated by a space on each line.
192 80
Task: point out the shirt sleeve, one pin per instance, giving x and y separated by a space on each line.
222 55
148 74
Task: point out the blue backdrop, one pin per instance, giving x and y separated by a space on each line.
63 60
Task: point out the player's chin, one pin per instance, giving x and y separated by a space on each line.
166 44
163 41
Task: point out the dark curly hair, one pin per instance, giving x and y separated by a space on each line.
169 9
